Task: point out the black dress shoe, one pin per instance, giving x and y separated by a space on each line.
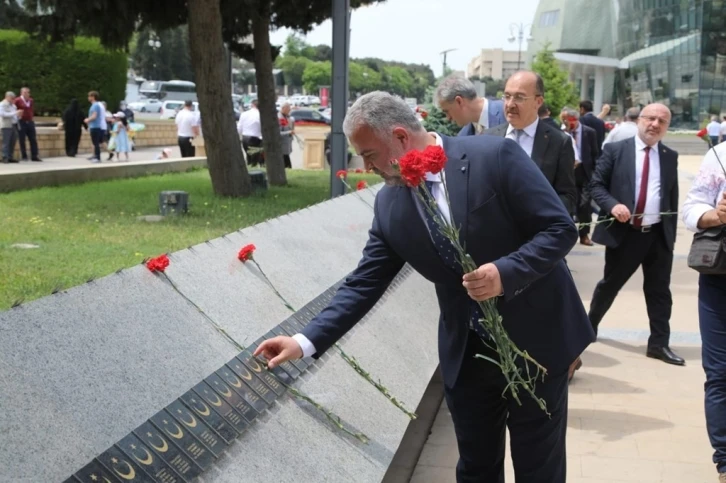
666 355
37 160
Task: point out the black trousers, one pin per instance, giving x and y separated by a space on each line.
287 161
26 129
650 251
481 415
583 210
253 142
186 147
72 140
97 135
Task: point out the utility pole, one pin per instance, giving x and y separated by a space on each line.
517 32
443 72
339 94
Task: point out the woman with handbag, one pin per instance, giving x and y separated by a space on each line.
704 212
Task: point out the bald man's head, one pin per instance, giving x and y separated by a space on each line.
653 123
523 95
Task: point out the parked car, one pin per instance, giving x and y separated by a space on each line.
169 109
147 105
309 117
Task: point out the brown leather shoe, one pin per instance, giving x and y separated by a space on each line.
585 240
575 366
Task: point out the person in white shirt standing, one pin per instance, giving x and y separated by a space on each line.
723 129
250 128
187 127
626 129
714 130
9 127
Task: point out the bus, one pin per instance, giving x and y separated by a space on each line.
174 90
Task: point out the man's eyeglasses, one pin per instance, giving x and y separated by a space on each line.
517 98
651 119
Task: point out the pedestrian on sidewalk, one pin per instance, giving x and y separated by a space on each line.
121 129
287 131
73 126
9 126
187 129
96 121
634 183
704 208
26 125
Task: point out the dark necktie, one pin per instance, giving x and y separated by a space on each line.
447 252
642 196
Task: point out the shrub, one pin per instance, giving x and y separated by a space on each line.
55 73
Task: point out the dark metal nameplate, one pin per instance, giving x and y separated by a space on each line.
95 472
219 405
234 399
185 440
168 451
227 428
271 378
253 380
123 467
198 427
143 456
241 388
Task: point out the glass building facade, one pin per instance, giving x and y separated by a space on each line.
668 51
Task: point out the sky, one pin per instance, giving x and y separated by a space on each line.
416 31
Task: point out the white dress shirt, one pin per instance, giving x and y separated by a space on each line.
185 120
707 189
577 143
439 194
483 118
526 139
652 200
624 130
714 128
249 124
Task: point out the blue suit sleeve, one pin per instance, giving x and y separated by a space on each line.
358 294
539 215
600 182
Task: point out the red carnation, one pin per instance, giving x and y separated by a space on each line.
341 174
158 264
702 133
246 253
424 114
358 170
435 158
284 122
412 168
361 185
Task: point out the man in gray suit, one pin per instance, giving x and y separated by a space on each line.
458 99
549 147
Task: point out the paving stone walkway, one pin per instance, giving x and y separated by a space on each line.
631 419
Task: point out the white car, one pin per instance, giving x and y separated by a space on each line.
280 101
147 105
170 109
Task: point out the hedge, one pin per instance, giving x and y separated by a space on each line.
55 73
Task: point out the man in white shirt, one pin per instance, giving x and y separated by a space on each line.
626 129
723 129
9 127
636 182
458 98
250 128
187 128
714 130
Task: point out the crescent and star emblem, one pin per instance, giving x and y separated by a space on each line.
179 434
255 366
236 382
163 448
126 476
192 424
226 392
246 376
218 402
144 461
202 412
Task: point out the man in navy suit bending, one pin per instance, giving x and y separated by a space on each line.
518 232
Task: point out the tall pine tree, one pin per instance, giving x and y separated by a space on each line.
559 91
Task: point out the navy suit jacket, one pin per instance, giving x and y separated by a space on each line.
509 215
496 117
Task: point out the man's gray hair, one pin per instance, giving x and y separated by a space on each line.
382 112
9 94
633 114
454 86
570 112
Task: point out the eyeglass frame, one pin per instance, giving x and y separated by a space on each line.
521 100
651 119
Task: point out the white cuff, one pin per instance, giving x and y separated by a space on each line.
307 347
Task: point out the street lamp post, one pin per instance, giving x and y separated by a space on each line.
517 32
155 45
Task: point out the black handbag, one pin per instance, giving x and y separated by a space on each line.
708 249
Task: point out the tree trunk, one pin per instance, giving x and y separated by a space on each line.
267 96
214 90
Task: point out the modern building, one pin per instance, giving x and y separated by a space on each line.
495 63
634 52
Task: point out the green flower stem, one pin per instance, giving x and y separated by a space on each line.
350 189
610 221
508 352
352 361
206 317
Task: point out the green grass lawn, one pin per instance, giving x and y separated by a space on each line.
91 230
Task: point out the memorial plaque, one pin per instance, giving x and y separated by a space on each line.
253 381
231 397
207 435
270 379
94 472
286 328
188 443
241 388
72 479
278 372
123 467
300 364
305 315
292 326
138 452
287 366
211 413
168 451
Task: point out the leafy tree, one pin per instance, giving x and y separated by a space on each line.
437 121
397 80
293 68
170 61
559 91
10 14
317 74
361 79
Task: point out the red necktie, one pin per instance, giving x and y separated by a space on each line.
640 206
